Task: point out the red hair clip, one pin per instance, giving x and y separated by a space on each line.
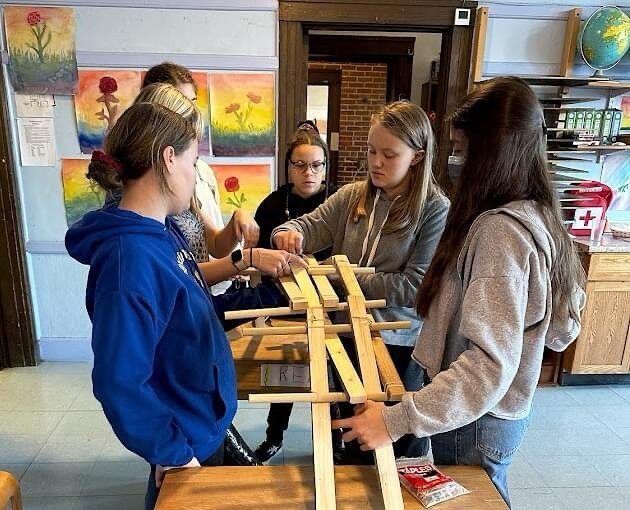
106 159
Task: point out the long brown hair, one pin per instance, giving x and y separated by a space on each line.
506 161
407 122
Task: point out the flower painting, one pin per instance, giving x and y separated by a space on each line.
42 56
242 114
202 103
242 186
80 194
102 97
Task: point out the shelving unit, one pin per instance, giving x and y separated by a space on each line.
561 154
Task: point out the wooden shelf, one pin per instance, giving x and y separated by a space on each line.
609 84
558 81
603 148
566 100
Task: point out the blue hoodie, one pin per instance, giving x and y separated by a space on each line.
163 369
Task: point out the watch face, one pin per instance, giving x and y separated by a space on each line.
237 256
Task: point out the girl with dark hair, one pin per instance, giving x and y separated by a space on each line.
504 282
306 162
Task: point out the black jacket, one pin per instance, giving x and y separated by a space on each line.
282 206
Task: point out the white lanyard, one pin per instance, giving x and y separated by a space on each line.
377 239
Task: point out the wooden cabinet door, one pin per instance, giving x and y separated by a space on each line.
603 346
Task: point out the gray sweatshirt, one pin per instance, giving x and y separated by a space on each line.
400 263
482 342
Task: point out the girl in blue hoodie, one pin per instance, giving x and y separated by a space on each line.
163 369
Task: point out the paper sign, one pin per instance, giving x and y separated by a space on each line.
37 141
285 375
34 105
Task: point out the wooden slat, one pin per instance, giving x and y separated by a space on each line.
322 430
292 290
333 396
327 294
479 44
348 279
570 41
328 328
390 378
347 373
285 310
384 456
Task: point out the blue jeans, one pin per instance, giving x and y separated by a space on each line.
489 442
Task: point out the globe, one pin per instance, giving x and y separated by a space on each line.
605 38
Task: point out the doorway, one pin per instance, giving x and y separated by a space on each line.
372 68
300 18
323 106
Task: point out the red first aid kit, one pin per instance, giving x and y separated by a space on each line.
592 199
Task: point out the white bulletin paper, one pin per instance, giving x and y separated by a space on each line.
37 141
28 105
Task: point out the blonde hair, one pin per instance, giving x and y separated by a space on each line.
407 122
174 100
136 144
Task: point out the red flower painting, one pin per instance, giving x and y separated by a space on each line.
33 18
42 36
232 186
108 85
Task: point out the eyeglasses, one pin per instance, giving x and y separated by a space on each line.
303 166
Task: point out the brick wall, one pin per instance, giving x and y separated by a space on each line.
363 91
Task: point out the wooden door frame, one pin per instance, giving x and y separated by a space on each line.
297 17
17 339
332 78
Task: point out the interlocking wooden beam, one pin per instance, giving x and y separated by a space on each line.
281 311
322 429
384 456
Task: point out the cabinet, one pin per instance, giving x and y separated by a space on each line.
603 346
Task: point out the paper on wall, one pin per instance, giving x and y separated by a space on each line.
37 141
32 105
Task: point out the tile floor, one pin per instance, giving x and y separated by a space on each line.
53 436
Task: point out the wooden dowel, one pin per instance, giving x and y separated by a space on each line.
285 310
332 328
319 270
335 396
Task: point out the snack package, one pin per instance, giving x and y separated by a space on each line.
426 483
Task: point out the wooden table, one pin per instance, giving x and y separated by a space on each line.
291 487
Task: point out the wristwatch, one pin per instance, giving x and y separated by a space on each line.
237 260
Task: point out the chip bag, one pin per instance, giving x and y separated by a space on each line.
427 484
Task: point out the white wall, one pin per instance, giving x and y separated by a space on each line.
203 34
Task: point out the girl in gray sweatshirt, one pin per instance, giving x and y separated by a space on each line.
393 222
504 282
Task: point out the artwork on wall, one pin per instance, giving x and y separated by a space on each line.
242 186
202 103
625 111
42 56
616 174
103 96
242 114
80 194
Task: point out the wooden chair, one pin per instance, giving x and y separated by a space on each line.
10 491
